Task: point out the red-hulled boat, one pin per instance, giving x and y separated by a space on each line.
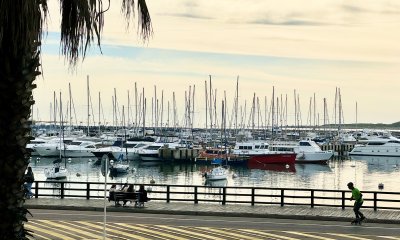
274 157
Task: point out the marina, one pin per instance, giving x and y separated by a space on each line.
366 172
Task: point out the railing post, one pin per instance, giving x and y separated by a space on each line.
343 199
87 190
196 201
36 189
253 191
224 196
282 197
312 198
62 190
375 201
168 194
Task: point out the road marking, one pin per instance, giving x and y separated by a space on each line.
85 233
308 235
36 236
348 236
51 233
96 231
191 233
389 237
149 231
226 232
267 234
131 236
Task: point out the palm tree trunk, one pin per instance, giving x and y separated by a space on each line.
18 70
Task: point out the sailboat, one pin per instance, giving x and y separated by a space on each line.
57 171
120 167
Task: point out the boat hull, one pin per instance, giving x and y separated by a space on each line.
314 157
274 158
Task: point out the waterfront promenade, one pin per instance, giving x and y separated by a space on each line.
229 210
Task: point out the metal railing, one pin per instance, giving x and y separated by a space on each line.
225 195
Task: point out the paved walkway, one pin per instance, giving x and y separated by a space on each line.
231 210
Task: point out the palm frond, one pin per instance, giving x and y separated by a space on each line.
83 20
145 28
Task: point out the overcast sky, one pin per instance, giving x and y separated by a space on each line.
312 47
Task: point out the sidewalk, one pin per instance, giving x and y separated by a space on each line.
229 210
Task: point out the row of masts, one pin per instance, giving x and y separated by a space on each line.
274 115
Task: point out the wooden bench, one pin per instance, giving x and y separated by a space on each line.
128 196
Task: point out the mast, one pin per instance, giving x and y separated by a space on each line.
88 103
211 110
144 114
70 107
136 106
99 115
236 103
273 112
206 97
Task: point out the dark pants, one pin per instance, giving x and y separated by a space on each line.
357 206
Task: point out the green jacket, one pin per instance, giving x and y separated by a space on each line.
357 195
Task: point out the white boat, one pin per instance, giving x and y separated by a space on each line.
151 152
307 151
129 150
250 148
118 168
52 147
390 148
56 172
33 143
366 136
78 148
217 173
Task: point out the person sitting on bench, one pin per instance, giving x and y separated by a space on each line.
129 190
142 196
111 192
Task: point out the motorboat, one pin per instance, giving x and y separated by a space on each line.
307 151
390 148
250 148
52 147
33 143
129 150
78 148
56 171
151 152
100 152
209 154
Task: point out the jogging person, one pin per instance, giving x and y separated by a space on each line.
357 196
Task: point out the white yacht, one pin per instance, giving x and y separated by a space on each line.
52 147
151 152
390 148
129 150
33 143
78 148
307 151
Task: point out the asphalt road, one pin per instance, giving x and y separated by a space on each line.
158 226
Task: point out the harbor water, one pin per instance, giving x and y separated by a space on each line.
367 173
